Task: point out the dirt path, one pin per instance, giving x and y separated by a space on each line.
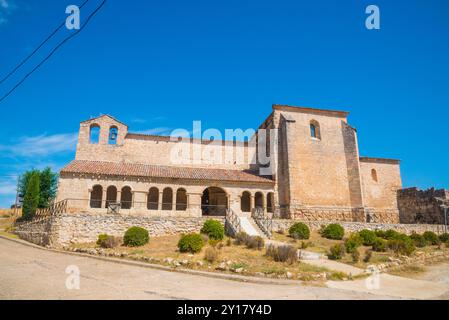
31 273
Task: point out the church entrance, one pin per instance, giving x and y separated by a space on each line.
214 202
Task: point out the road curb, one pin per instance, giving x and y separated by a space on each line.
231 277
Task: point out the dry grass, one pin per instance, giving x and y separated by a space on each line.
408 271
253 261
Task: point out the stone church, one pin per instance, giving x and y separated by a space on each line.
316 172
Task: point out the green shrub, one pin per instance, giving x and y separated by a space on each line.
299 230
403 245
391 234
255 242
336 252
431 237
444 237
282 253
213 229
107 241
379 245
380 234
135 237
368 237
192 242
334 231
241 238
353 242
418 240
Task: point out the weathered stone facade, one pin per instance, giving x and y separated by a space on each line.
422 206
317 173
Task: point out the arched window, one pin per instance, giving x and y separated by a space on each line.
258 199
181 199
245 202
113 134
126 198
374 175
96 196
153 199
270 202
111 195
315 129
167 199
94 134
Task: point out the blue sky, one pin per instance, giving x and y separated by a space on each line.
159 65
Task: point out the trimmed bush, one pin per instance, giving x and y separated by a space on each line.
379 245
334 231
380 233
255 242
336 252
391 234
444 237
192 242
299 230
353 242
135 237
431 237
418 240
368 237
282 253
355 256
213 229
106 241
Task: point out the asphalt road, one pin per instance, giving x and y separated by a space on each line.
30 273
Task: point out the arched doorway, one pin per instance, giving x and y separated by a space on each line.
111 195
181 199
126 198
258 200
214 202
245 202
96 196
167 199
153 199
270 202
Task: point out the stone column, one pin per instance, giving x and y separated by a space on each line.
159 204
252 203
194 201
103 197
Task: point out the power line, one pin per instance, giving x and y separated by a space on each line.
37 49
53 51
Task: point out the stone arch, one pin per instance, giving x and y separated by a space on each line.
94 133
181 199
245 201
167 199
111 195
214 201
96 196
258 200
315 130
126 198
113 135
153 199
270 202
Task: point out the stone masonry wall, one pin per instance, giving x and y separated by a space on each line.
420 206
80 228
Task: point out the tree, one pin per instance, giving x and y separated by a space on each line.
31 199
47 184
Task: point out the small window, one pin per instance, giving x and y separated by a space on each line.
374 175
94 134
315 130
113 134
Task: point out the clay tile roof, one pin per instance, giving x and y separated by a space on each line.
155 171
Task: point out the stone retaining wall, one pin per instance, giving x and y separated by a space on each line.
79 228
284 224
